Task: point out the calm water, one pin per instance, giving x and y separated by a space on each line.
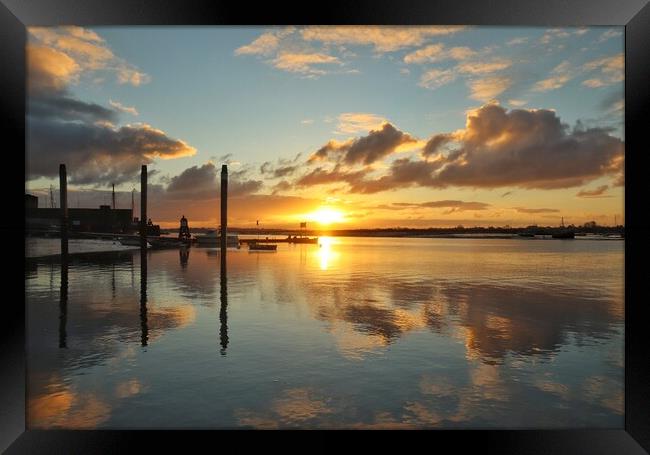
358 333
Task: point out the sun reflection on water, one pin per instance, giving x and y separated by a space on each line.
326 254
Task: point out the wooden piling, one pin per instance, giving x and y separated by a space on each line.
224 208
143 207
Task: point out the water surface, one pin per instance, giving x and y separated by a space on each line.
356 333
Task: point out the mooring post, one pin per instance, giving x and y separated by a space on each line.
224 208
143 207
63 196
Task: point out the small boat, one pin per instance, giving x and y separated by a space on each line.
132 241
256 246
564 233
162 242
296 239
262 247
213 238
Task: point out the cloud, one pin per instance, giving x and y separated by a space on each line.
83 135
522 148
557 33
437 52
484 67
530 149
611 71
131 76
355 122
368 149
489 88
307 121
613 103
203 182
283 168
265 44
434 144
49 70
516 41
403 173
96 153
436 78
64 108
303 62
612 33
322 176
382 38
597 192
281 186
282 171
560 75
482 89
86 49
120 107
452 205
428 54
528 210
517 103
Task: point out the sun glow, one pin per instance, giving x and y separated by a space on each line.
325 254
326 215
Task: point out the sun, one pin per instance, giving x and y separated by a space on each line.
326 215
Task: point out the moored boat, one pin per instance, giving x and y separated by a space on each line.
262 247
567 234
213 238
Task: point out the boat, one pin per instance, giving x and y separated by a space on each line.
262 247
213 238
132 241
256 246
165 242
296 239
564 233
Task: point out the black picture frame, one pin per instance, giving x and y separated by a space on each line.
15 15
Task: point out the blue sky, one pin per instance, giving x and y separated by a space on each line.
269 94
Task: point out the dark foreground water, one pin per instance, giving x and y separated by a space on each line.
357 333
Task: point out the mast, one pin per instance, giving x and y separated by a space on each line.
113 196
52 204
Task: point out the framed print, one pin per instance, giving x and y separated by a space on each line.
378 217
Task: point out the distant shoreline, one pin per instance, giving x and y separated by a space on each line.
421 233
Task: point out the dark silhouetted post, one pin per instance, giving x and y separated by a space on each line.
143 207
224 208
63 196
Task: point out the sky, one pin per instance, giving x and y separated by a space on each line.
341 127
